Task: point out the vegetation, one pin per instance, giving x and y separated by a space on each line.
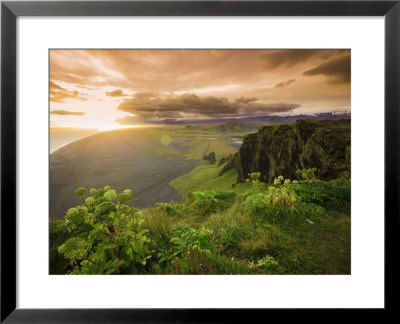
288 227
199 205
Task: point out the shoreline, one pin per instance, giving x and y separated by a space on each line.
59 146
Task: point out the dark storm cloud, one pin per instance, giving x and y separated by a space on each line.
337 70
285 84
148 107
244 100
266 109
116 93
66 112
287 57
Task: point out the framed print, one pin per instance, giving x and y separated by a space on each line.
195 161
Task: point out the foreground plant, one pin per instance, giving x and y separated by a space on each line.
106 234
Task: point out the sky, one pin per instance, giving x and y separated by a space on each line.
108 89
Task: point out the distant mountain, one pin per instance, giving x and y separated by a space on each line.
235 126
266 120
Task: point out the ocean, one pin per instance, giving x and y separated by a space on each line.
62 136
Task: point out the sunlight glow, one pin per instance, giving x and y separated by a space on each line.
115 126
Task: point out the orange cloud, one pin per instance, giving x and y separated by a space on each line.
290 58
66 112
59 94
285 84
245 100
116 93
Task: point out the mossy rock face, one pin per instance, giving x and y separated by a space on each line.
283 149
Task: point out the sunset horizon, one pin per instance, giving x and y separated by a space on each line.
112 89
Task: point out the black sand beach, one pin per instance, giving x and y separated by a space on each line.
123 159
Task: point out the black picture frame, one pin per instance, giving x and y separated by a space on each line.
10 10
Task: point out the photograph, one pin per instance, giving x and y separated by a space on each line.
199 161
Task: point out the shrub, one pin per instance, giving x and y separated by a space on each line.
322 193
342 181
209 201
169 209
310 210
274 196
187 239
307 174
278 180
106 235
254 177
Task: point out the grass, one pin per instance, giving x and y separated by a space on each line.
299 247
300 243
204 176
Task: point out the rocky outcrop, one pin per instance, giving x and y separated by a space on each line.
283 149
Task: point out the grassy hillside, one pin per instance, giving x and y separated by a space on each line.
212 225
206 176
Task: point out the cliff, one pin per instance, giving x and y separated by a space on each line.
283 149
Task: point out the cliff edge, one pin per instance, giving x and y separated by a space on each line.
283 149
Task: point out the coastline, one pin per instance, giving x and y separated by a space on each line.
59 137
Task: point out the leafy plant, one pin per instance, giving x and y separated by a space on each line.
342 181
321 193
307 174
267 262
254 177
208 201
187 239
278 180
106 234
274 196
